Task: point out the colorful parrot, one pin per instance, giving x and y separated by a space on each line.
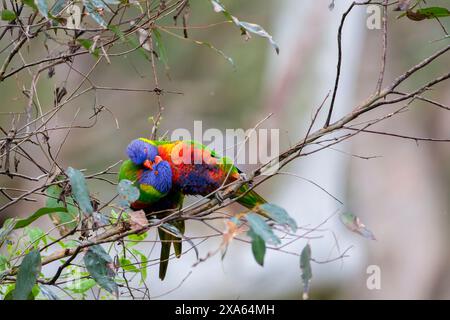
165 171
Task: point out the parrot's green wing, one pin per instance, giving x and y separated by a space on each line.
128 170
250 199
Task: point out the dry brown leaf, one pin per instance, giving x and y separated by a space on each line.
233 230
138 220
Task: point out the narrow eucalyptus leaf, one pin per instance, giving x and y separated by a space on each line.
262 229
8 15
305 266
79 190
279 215
39 213
258 247
27 275
42 7
98 263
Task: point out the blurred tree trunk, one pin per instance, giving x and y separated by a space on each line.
403 196
297 82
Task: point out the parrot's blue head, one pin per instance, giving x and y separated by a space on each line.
156 175
140 151
159 176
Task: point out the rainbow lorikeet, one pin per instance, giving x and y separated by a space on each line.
165 171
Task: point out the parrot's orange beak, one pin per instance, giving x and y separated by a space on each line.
158 159
148 164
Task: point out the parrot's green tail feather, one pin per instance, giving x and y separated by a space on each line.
177 242
251 199
165 252
167 240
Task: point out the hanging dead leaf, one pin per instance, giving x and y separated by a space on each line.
138 220
144 39
233 230
415 16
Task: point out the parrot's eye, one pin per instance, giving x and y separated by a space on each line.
140 151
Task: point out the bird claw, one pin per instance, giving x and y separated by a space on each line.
243 177
218 197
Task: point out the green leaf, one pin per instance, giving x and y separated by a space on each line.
434 12
262 229
36 235
69 244
161 48
42 7
426 13
79 190
245 26
143 264
128 193
258 247
92 10
354 224
30 3
305 266
88 45
258 30
56 12
27 275
135 239
9 291
65 220
118 32
3 263
34 292
81 285
127 265
7 228
278 214
98 4
132 41
58 7
39 213
8 15
97 262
